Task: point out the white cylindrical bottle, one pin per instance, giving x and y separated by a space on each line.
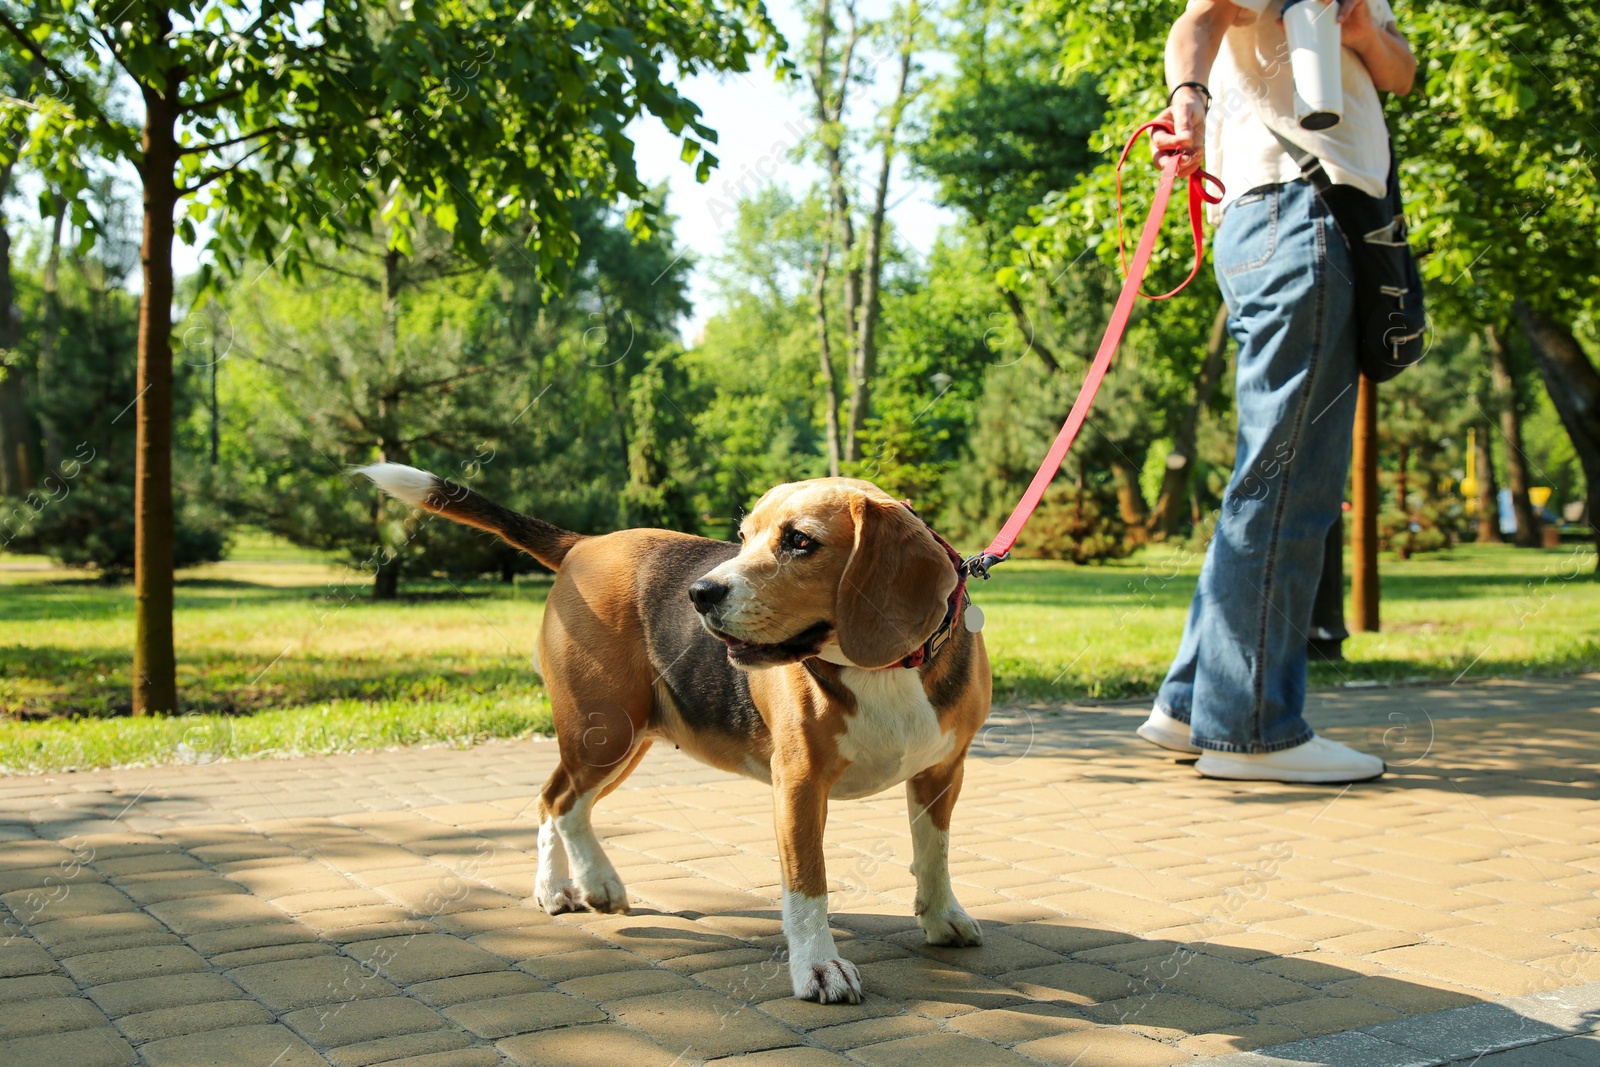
1315 61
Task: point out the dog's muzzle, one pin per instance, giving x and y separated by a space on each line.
707 593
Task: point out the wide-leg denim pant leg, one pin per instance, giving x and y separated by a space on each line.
1239 678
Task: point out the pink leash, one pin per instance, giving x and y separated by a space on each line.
1000 548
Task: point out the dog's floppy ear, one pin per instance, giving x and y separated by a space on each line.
896 587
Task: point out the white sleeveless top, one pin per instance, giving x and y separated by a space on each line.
1252 87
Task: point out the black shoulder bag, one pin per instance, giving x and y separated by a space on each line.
1390 319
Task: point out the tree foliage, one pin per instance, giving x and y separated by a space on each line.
77 370
535 394
484 119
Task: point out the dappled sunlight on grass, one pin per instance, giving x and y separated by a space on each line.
1061 632
267 665
339 726
283 653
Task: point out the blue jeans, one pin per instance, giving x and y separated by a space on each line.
1239 678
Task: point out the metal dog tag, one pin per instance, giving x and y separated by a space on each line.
973 618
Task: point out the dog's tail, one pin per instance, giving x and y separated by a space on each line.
546 543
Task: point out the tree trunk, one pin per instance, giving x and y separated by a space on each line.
829 107
385 560
214 316
1488 491
54 448
1130 498
830 101
386 577
830 390
1402 491
155 683
1402 481
1574 387
1019 315
216 415
872 273
386 572
1505 393
617 387
1364 510
1169 509
18 470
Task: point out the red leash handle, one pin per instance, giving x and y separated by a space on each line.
1001 545
1197 194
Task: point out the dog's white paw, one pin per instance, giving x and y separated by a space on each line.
558 897
952 927
832 981
604 893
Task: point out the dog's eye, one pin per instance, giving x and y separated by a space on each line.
796 541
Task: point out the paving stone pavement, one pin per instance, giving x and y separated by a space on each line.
374 909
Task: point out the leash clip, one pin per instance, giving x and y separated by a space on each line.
978 566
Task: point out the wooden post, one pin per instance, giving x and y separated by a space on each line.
1364 511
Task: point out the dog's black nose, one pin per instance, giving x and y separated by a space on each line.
707 594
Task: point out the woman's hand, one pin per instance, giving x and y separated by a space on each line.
1382 49
1357 30
1187 117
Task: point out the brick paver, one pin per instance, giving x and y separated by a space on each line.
374 909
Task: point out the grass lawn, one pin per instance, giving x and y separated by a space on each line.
282 652
1060 632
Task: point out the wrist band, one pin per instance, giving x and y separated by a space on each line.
1189 85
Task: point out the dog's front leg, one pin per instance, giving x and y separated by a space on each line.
800 809
930 798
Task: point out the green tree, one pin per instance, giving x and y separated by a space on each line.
756 365
1499 183
280 123
1504 195
1422 427
80 512
524 387
24 457
1004 131
1011 141
939 327
843 61
663 451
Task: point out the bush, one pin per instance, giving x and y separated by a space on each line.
1428 530
1073 523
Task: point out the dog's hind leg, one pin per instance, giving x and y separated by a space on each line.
552 889
594 761
592 656
597 883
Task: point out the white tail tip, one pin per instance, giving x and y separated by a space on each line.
401 482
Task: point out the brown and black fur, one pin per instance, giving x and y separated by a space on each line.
771 691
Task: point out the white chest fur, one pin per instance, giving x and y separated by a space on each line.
893 734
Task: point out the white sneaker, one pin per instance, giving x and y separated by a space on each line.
1318 760
1163 730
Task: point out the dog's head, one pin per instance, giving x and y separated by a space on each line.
833 562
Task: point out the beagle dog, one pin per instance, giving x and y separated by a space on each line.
824 655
